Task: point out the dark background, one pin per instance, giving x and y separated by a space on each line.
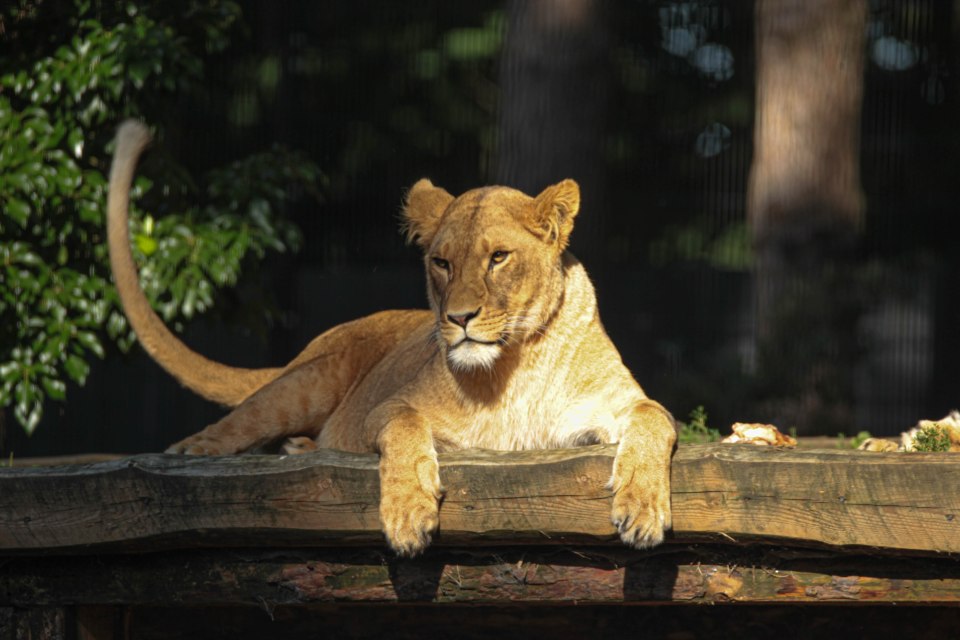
650 106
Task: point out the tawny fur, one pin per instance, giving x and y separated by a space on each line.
512 355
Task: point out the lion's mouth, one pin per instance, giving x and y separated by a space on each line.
500 341
473 353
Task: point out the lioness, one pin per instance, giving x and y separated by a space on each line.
511 355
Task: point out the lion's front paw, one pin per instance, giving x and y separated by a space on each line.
410 510
641 505
409 522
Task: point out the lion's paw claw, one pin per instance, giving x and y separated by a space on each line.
409 522
641 513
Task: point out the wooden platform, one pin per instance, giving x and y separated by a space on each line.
751 525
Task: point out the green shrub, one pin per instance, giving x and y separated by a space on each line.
931 438
696 430
69 72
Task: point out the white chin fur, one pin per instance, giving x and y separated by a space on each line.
468 356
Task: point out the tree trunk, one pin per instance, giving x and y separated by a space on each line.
805 206
555 81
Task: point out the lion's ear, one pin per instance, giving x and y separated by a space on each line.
554 211
424 206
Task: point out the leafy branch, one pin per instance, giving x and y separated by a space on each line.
74 70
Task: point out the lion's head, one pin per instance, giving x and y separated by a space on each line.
493 264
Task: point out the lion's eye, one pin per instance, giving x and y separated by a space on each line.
441 263
497 257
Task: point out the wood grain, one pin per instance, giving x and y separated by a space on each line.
740 493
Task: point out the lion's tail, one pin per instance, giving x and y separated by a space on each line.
212 380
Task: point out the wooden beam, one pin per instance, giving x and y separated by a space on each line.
678 574
739 493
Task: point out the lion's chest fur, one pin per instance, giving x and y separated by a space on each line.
565 393
533 415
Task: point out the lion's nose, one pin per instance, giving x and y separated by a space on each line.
462 319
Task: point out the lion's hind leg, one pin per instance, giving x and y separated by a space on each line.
295 404
300 399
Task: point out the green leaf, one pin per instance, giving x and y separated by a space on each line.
91 342
75 140
9 371
77 368
56 389
28 408
145 244
472 44
19 211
